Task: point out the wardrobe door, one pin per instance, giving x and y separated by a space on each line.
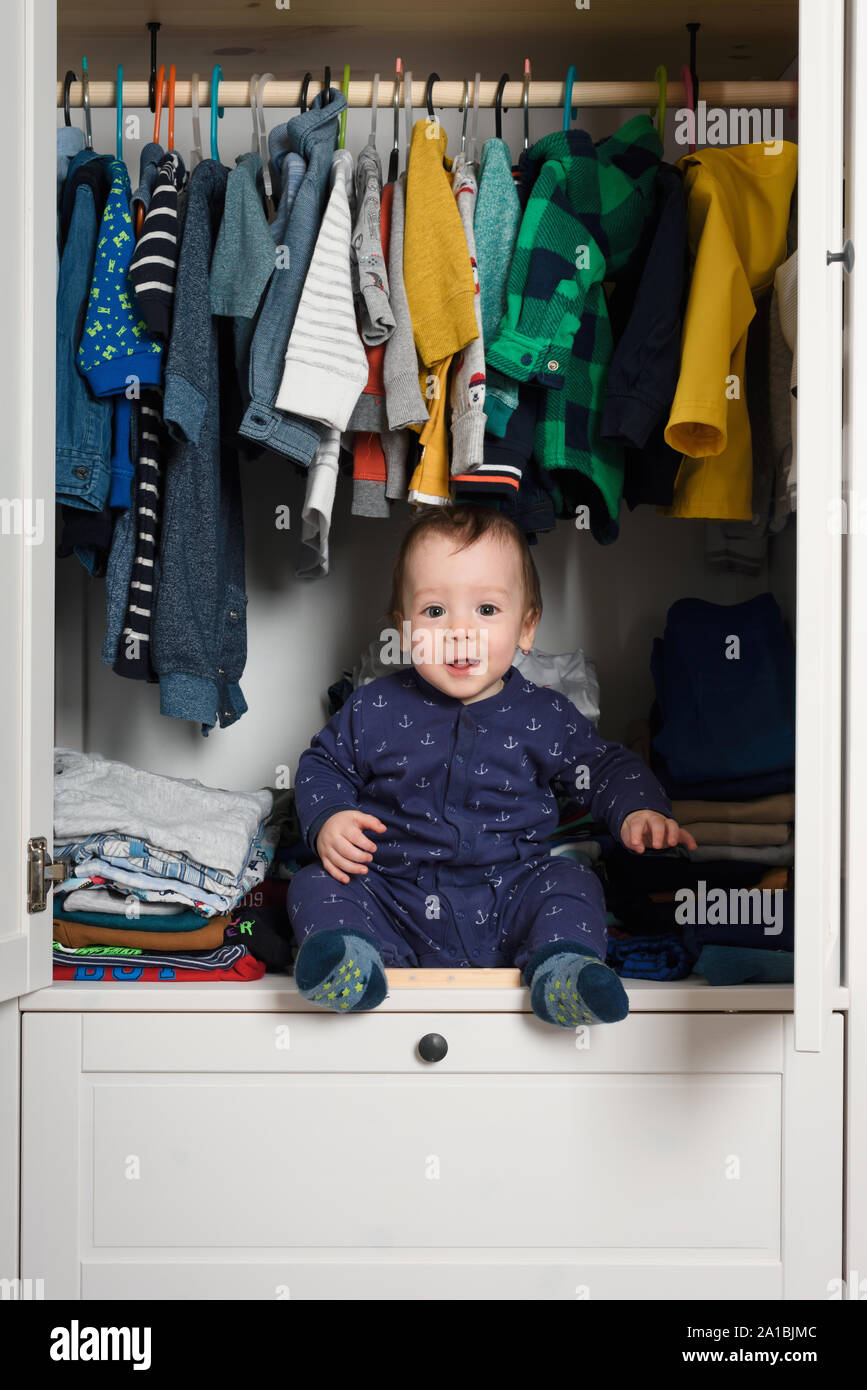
27 289
855 565
819 581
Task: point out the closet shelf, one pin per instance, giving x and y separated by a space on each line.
449 94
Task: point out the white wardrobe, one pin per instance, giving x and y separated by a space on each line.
719 1129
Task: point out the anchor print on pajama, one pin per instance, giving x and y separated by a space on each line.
465 794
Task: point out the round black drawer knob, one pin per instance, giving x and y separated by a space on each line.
433 1047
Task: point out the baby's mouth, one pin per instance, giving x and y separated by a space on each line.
463 664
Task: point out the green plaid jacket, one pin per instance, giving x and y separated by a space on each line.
582 223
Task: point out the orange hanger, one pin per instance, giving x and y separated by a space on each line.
171 137
158 120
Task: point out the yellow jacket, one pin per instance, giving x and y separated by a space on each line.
437 273
738 203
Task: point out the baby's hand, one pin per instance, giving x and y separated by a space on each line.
642 828
341 843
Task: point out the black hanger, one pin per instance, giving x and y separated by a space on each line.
428 94
693 30
67 83
304 86
153 25
498 105
327 99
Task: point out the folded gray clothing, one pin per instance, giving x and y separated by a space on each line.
105 900
776 855
93 795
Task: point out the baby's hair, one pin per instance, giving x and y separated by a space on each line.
467 524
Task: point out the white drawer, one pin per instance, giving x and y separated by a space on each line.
269 1043
560 1161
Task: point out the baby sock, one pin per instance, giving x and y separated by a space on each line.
572 988
341 971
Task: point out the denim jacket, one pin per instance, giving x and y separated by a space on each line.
83 436
313 135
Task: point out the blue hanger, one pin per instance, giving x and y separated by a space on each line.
570 112
119 106
216 79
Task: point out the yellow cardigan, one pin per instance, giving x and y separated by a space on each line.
738 203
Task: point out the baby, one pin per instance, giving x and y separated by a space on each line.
449 764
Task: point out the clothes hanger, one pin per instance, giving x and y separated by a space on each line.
326 88
570 112
374 100
525 100
428 97
67 83
341 143
153 25
407 111
119 108
473 145
262 132
216 111
660 77
394 157
85 97
465 109
690 80
304 88
254 138
498 106
158 120
171 135
196 155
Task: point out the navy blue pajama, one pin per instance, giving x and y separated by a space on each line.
463 875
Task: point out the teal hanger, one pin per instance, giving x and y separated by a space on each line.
570 112
119 106
216 111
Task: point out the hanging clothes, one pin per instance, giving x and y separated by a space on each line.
646 311
582 223
496 223
313 135
325 367
737 210
199 640
404 401
154 263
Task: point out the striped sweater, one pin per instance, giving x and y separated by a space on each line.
133 655
326 366
154 261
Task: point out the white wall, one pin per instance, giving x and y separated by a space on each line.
610 601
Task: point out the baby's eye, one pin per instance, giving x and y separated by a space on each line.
488 610
433 610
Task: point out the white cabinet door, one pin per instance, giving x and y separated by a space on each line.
819 586
27 293
855 555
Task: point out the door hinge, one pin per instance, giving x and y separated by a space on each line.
41 870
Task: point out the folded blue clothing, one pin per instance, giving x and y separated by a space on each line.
769 924
740 965
725 682
650 958
725 789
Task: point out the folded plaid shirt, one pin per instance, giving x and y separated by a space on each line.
582 223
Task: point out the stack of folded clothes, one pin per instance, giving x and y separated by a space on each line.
721 739
160 876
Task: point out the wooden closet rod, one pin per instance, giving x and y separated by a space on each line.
450 94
